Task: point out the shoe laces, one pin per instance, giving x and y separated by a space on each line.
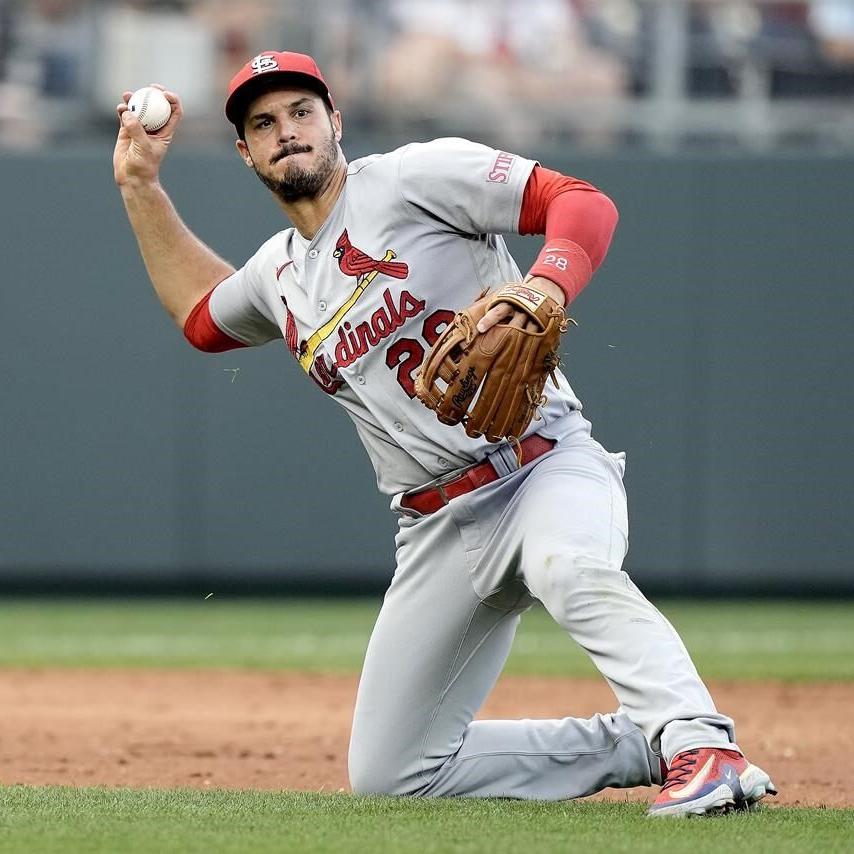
681 768
684 763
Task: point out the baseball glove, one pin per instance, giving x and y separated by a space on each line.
492 382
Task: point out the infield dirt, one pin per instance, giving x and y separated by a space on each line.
242 730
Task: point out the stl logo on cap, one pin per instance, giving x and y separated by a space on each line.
263 63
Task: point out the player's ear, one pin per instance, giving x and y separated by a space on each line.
337 124
243 151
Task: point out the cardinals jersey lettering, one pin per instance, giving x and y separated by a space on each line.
413 238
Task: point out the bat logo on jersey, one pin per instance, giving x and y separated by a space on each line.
326 376
353 262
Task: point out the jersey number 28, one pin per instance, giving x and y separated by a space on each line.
407 354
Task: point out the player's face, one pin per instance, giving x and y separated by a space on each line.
291 142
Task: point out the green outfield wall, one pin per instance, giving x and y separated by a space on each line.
715 346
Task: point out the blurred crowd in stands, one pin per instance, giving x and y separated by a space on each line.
519 66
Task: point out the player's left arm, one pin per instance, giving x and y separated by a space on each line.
578 222
475 190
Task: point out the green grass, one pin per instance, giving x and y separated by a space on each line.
64 820
737 640
733 640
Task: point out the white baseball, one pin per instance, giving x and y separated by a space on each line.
151 108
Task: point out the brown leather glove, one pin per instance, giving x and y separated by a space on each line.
492 382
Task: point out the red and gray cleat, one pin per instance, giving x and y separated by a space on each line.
710 780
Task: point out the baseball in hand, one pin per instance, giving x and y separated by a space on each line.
150 107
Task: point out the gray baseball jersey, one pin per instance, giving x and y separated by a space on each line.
413 238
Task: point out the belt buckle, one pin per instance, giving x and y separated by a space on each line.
445 479
440 482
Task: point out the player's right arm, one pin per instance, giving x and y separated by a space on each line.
183 270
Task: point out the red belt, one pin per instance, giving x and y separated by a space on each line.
432 498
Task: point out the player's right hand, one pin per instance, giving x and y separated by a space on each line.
137 156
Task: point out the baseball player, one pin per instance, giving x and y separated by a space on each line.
383 255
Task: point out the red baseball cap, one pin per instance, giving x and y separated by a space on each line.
267 69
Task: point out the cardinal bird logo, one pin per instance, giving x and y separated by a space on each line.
354 262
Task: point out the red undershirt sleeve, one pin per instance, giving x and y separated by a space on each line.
201 331
578 221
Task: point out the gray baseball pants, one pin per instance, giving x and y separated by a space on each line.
555 531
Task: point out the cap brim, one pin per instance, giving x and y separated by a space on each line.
237 104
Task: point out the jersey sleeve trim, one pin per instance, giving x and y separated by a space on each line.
521 191
202 331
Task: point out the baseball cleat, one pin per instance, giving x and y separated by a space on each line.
710 780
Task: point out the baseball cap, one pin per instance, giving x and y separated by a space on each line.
267 69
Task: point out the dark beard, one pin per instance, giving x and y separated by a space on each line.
299 183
